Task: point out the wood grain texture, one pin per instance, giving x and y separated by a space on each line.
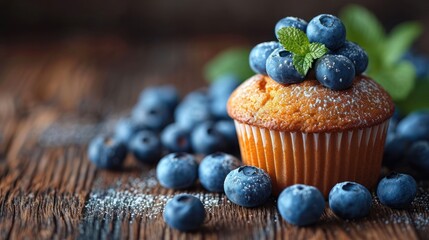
54 97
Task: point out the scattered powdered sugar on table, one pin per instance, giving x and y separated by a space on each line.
133 197
420 209
418 213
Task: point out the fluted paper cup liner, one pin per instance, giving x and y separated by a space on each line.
317 159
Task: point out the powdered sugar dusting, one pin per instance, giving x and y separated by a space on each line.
420 209
134 197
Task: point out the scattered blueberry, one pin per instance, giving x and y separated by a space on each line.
223 86
356 54
177 170
335 71
397 115
219 92
418 156
327 29
166 94
146 147
214 168
153 114
191 113
290 22
184 212
248 186
126 128
227 129
397 190
106 152
301 205
420 62
218 108
280 67
176 138
394 150
199 96
259 54
350 200
206 139
393 123
414 127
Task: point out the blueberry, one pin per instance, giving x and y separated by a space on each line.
248 186
227 129
418 156
218 108
356 54
415 126
146 147
350 200
176 138
327 29
301 204
106 152
223 86
280 67
206 139
154 114
259 54
420 63
166 94
184 212
335 71
290 22
200 96
397 190
126 128
395 149
393 123
191 112
177 170
214 168
219 93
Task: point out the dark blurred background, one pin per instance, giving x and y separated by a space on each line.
156 19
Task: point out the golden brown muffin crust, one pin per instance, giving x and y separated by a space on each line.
309 106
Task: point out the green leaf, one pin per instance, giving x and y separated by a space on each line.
317 50
398 80
362 27
384 52
400 40
232 61
302 63
294 40
418 98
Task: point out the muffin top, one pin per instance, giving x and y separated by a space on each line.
308 106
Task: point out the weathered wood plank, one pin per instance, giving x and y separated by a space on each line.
44 189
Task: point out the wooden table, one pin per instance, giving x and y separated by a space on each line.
56 94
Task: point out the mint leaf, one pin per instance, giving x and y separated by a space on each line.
317 50
398 79
418 99
293 40
302 63
231 61
384 51
400 40
303 52
365 29
362 27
